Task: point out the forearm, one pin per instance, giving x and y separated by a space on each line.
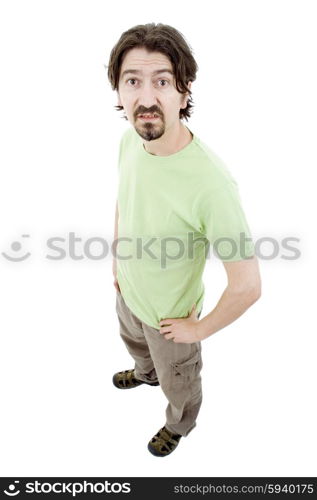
232 305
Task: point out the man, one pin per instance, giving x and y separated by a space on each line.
175 197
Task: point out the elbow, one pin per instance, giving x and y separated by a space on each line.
248 293
254 293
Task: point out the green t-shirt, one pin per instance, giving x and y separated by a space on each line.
173 212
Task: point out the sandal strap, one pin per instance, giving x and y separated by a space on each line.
164 437
127 377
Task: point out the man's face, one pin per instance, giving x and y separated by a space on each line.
148 94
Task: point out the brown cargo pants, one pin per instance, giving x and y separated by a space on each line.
176 366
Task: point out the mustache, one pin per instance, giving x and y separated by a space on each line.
142 111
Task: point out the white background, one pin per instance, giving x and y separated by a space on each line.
255 106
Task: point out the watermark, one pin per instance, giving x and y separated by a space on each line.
162 249
69 488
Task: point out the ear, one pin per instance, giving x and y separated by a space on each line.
186 96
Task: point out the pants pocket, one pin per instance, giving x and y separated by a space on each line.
189 368
185 381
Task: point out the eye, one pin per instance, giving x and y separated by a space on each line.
166 82
131 80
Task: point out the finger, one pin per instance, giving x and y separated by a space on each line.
165 322
170 321
165 329
169 336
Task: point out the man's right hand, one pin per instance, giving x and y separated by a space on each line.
114 272
116 285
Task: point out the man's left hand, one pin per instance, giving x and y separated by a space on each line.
183 330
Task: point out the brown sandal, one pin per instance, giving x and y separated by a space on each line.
163 443
127 380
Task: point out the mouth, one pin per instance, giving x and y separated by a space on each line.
148 117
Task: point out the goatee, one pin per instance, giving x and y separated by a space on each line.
150 132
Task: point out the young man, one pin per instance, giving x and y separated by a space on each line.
175 197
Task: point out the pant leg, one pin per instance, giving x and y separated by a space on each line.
131 332
178 367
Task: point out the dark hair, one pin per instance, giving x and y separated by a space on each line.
161 38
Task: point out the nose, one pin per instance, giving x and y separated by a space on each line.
147 96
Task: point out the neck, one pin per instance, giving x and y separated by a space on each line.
173 140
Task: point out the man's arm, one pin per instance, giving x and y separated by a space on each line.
115 237
243 289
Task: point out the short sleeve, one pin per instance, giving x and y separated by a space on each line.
225 225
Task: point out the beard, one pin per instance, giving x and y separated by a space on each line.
150 131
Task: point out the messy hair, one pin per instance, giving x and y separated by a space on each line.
159 38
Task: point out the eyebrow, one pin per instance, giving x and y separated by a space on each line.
137 71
